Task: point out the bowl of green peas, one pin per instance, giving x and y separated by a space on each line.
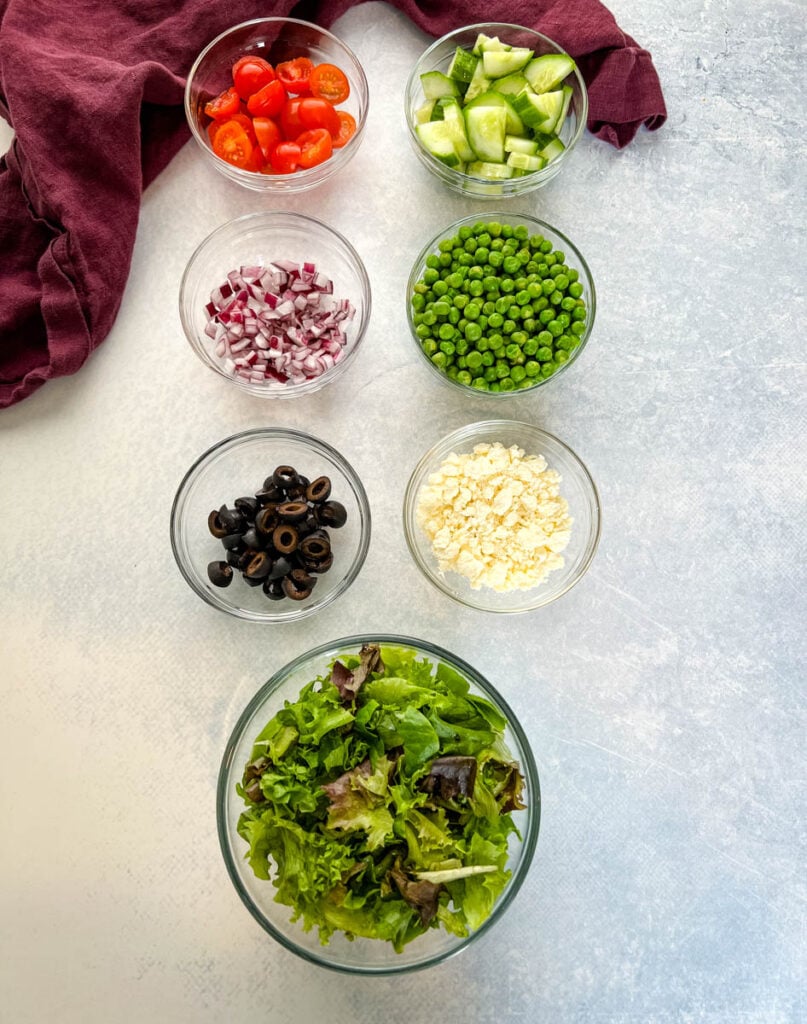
500 305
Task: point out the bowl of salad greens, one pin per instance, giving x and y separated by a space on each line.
378 805
495 109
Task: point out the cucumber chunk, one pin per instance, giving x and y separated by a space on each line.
564 109
485 127
552 149
490 171
510 85
518 144
479 84
487 44
455 123
463 65
514 125
436 138
435 85
499 63
538 111
524 162
424 113
546 73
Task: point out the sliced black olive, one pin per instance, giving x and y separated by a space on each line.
259 566
318 490
273 590
269 494
316 546
253 539
301 578
321 567
244 558
248 507
280 568
270 485
293 591
232 540
220 574
231 519
285 477
285 538
297 490
308 525
267 519
233 557
251 581
215 526
292 511
332 513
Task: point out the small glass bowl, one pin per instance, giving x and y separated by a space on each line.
361 955
438 58
559 241
237 466
255 240
576 487
276 40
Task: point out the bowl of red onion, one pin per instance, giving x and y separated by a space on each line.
276 303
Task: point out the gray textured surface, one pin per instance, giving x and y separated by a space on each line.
663 696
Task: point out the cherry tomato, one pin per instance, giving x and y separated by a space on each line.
223 106
347 128
268 101
251 73
246 124
294 74
318 113
315 145
232 144
212 128
267 134
290 123
286 157
330 83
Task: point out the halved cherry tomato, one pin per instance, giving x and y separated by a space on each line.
251 73
294 74
232 144
246 123
316 146
223 106
268 101
347 128
290 123
330 83
286 157
318 113
268 135
212 128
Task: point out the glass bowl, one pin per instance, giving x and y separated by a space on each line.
360 955
438 58
256 239
237 466
576 486
560 242
276 40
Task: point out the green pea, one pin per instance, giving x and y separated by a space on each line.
543 355
465 260
430 346
507 285
548 369
579 313
564 318
529 324
530 347
561 357
418 302
494 228
454 280
532 369
446 332
507 384
464 232
446 245
488 309
422 331
473 332
555 328
480 384
568 304
460 301
562 282
518 338
512 352
511 265
474 360
487 358
507 231
481 254
430 276
452 372
494 387
573 274
475 288
502 369
546 246
575 289
518 373
447 348
508 326
470 245
490 375
546 315
463 377
445 259
578 328
439 287
453 315
495 259
441 308
432 261
440 360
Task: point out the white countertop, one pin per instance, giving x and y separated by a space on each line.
662 696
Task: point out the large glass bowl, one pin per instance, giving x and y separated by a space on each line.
361 955
576 486
276 40
560 242
438 58
256 239
236 467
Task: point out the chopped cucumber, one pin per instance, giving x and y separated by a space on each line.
491 171
487 44
455 122
518 144
498 63
424 113
546 73
510 85
463 66
564 109
436 138
514 126
479 84
538 111
486 128
435 85
523 162
552 149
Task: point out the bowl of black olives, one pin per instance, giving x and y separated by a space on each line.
270 525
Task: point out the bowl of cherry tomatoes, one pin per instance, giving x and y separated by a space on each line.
277 104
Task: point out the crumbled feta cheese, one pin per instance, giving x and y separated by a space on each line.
496 516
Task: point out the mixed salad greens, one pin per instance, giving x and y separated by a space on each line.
379 801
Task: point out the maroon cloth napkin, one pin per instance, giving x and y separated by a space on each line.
94 93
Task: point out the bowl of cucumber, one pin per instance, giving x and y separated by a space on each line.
495 109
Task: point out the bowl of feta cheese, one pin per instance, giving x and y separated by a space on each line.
502 516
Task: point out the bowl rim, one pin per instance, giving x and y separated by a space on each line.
466 434
456 179
528 766
265 218
294 614
498 214
295 176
